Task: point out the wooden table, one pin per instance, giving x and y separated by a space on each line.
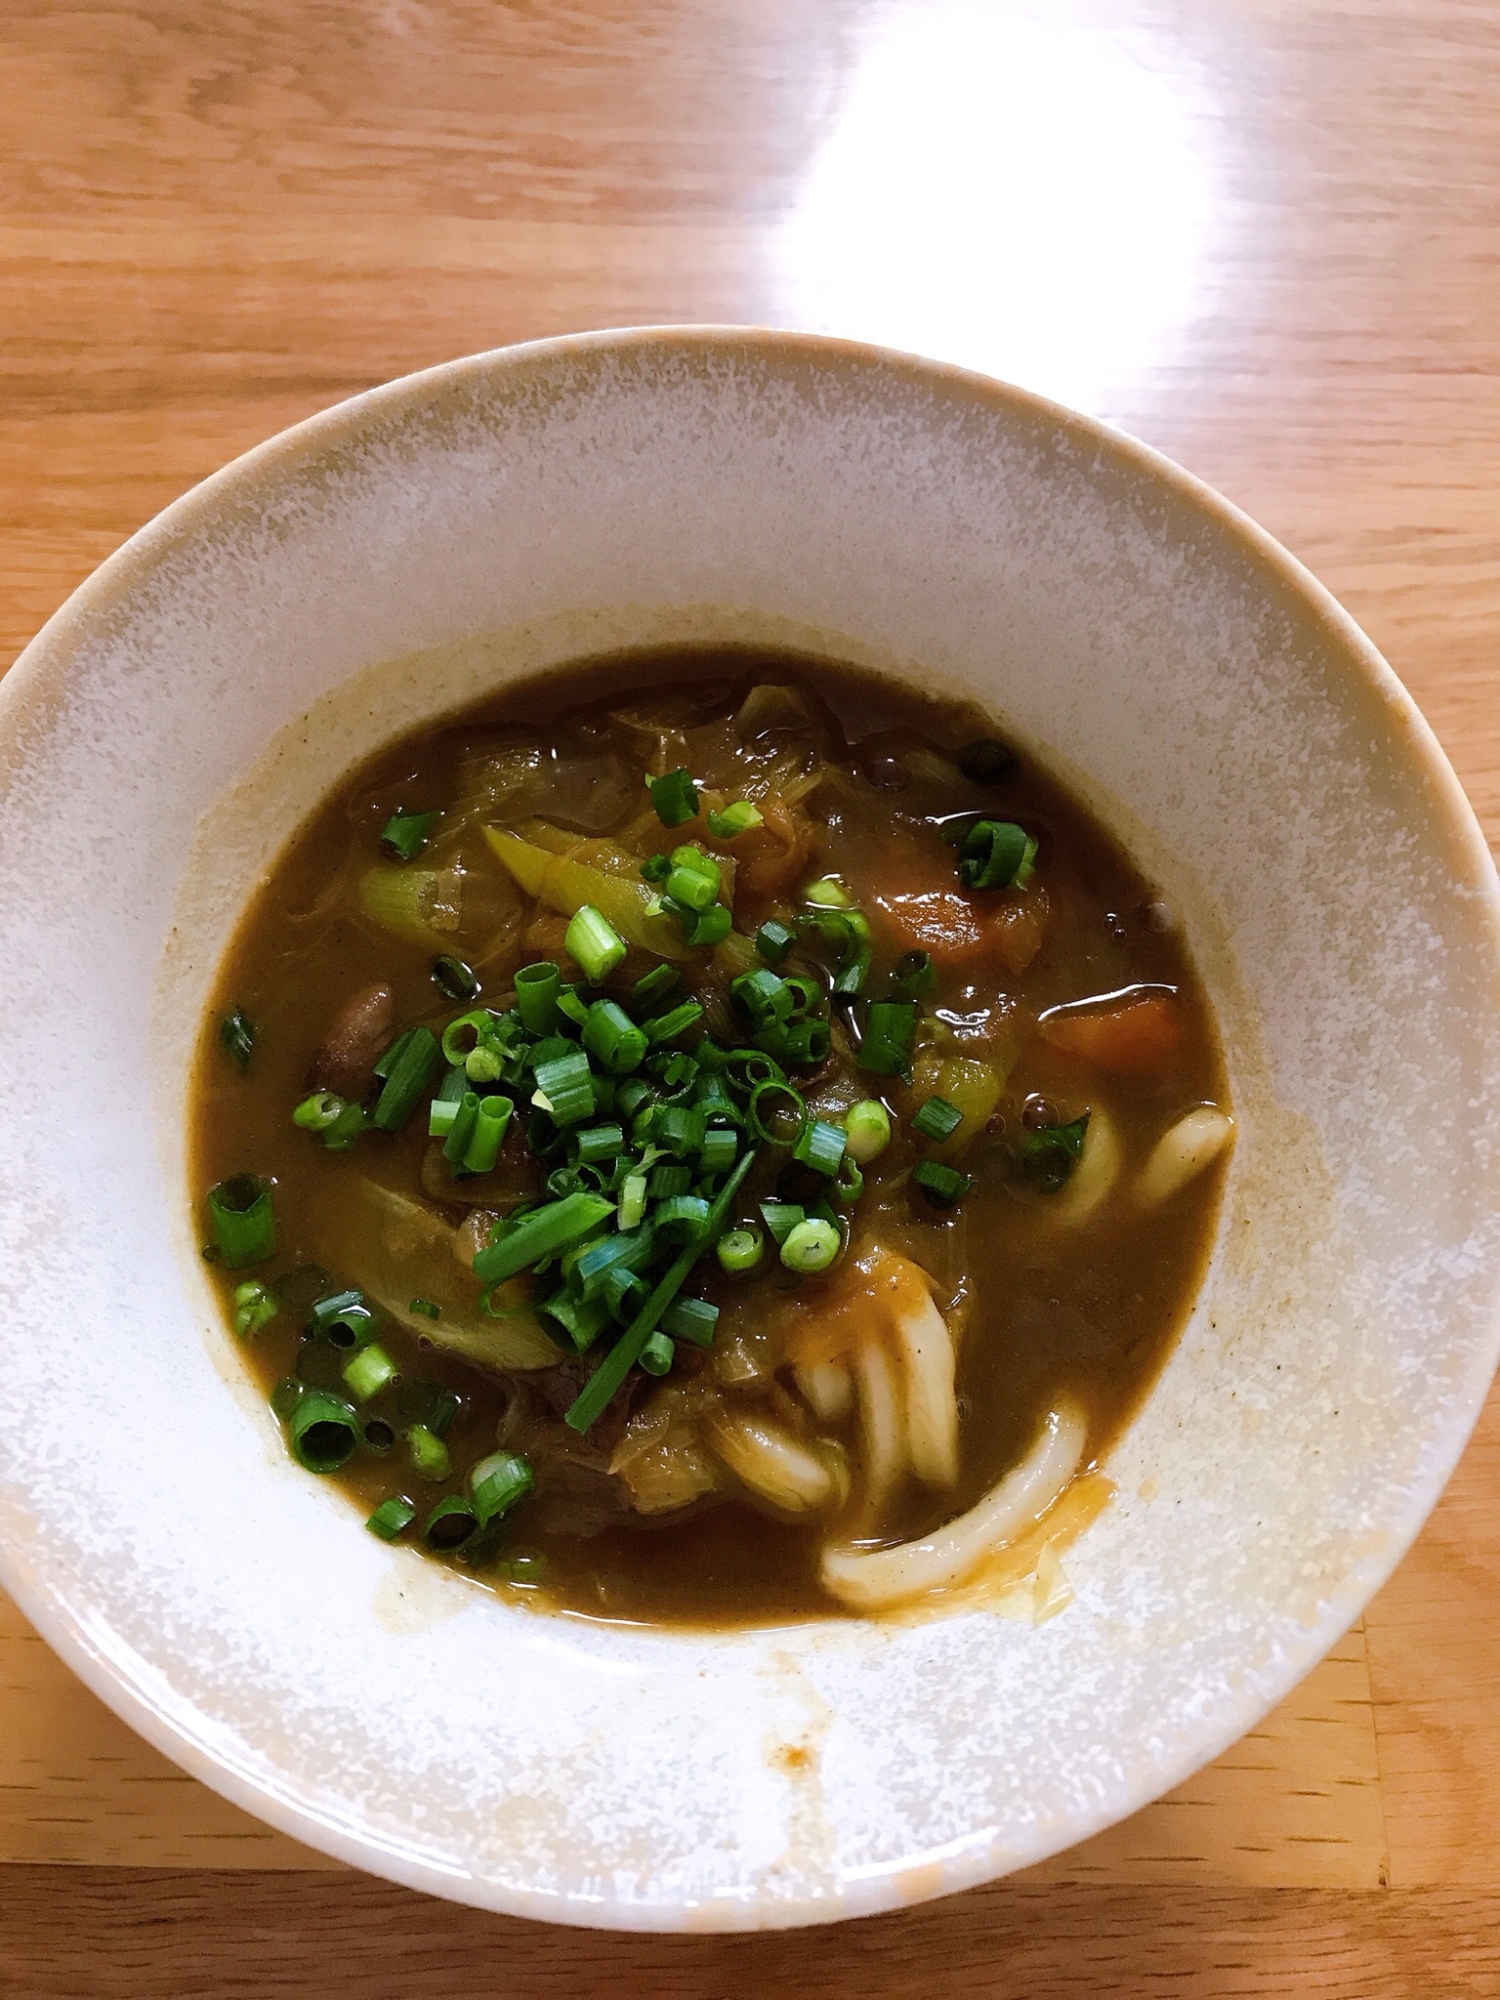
1262 236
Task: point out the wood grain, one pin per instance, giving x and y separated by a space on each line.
218 220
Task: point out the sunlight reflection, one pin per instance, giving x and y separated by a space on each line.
1015 190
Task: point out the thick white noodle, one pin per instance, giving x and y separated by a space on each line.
1096 1173
926 1350
883 1432
771 1462
876 1579
826 1389
1182 1152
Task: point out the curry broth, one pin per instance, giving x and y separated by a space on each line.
1042 1307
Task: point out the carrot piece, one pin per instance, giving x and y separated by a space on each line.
1135 1036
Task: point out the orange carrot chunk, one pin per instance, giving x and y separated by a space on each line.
1131 1038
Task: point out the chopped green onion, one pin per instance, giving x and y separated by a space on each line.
668 1178
985 762
850 1184
764 1094
867 1127
693 881
582 1320
680 1129
243 1224
323 1431
498 1482
655 868
707 927
781 1218
594 944
464 1034
491 1117
667 1027
595 1142
1025 875
390 1518
342 1319
407 1078
537 988
801 1044
913 976
444 1107
624 1293
565 1088
612 1037
849 980
429 1404
890 1026
658 1354
734 820
681 1218
774 940
992 851
345 1129
425 1309
369 1370
820 1145
692 1320
588 1265
811 1246
828 893
317 1112
675 797
450 1524
1049 1155
254 1307
600 1388
937 1120
763 997
461 1131
654 986
484 1064
632 1201
719 1150
405 834
740 1251
429 1455
237 1036
454 979
942 1185
572 1006
541 1234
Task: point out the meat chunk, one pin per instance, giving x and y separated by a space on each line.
344 1061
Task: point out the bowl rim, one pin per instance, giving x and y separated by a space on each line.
66 1629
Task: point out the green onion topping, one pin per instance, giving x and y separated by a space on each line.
942 1185
675 797
237 1036
811 1245
390 1518
593 943
734 820
937 1120
243 1224
405 834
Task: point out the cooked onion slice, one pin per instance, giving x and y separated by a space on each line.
1182 1152
774 1464
926 1350
881 1427
876 1579
826 1389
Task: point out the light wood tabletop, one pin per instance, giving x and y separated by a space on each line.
1263 237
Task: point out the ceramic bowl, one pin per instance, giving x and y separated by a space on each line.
387 561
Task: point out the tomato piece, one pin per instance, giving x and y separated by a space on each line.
1135 1036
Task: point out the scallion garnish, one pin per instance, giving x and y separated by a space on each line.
454 979
706 927
491 1117
411 1064
461 1131
890 1026
820 1145
1049 1155
655 986
237 1036
658 1354
345 1129
599 1390
582 1320
369 1370
595 1142
318 1111
667 1027
781 1218
811 1245
692 1320
774 940
390 1518
613 1038
429 1455
681 1218
632 1201
244 1226
255 1306
740 1251
675 797
762 998
913 976
537 988
734 820
694 880
594 944
942 1185
720 1147
655 868
405 834
937 1119
766 1121
323 1431
498 1482
450 1524
565 1088
425 1308
993 853
541 1234
668 1178
867 1127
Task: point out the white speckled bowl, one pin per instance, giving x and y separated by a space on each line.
384 562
